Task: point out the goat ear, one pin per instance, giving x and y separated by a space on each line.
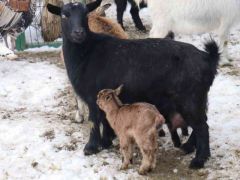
118 90
101 10
93 5
54 9
106 6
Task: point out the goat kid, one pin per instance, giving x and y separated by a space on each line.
137 122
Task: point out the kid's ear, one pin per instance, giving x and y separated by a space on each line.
118 90
54 9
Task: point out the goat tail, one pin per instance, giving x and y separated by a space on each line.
212 49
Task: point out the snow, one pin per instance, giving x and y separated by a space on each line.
29 107
36 136
23 80
29 97
6 53
224 122
43 49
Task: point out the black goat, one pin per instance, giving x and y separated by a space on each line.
121 7
174 76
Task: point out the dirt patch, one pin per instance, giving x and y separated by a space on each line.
171 165
71 146
52 57
49 135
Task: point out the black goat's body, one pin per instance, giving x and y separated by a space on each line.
149 69
174 76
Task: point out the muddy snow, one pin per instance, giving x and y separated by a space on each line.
40 140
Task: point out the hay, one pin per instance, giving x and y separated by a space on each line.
50 24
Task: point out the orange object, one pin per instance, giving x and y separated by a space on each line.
19 5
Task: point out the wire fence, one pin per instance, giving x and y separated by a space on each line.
33 34
32 37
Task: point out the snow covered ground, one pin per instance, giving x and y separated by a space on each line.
38 140
35 143
6 53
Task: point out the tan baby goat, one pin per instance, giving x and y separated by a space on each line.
136 122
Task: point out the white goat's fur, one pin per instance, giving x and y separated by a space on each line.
193 16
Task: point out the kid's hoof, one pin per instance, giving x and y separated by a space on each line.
196 163
142 172
124 167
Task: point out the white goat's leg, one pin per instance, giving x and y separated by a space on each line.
6 41
13 43
81 110
223 35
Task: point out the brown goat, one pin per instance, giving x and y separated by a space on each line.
136 122
99 24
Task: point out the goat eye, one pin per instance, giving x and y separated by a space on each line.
64 16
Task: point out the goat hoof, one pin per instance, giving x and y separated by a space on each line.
196 163
141 28
161 133
124 167
106 143
90 149
187 148
177 144
185 132
142 171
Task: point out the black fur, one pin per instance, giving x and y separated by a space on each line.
170 35
174 76
121 7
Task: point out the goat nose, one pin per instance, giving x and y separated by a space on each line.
78 32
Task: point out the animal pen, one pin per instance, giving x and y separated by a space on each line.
45 28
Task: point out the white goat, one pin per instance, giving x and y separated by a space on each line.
194 16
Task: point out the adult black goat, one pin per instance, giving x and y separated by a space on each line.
174 76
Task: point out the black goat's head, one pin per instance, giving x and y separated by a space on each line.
73 20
